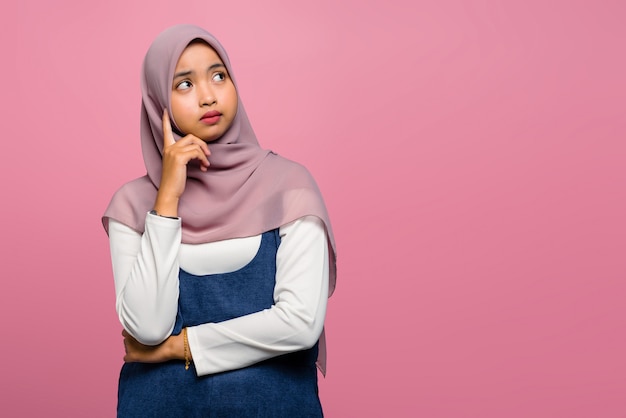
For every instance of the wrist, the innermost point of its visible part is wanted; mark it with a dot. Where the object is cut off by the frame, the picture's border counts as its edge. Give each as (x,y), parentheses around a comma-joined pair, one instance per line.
(166,206)
(154,212)
(176,343)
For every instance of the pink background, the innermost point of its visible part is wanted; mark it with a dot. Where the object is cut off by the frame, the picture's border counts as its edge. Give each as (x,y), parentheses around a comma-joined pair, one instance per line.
(472,155)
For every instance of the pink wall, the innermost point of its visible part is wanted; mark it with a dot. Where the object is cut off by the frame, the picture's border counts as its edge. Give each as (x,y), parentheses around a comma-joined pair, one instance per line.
(472,155)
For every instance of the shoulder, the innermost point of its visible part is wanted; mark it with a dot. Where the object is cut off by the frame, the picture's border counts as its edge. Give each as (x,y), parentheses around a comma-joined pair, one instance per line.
(307,225)
(130,203)
(288,168)
(139,184)
(285,162)
(140,191)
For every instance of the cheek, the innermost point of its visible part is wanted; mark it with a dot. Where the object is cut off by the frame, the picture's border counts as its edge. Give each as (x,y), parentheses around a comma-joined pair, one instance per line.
(180,110)
(233,98)
(175,107)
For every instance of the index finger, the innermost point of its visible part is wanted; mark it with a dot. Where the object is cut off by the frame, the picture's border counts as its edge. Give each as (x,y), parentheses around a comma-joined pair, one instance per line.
(168,137)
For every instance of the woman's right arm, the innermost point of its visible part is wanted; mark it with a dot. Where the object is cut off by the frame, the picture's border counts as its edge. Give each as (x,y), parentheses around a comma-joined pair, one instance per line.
(145,270)
(145,266)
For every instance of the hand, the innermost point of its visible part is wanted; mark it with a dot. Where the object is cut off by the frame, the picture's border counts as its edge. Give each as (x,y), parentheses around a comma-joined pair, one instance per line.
(176,156)
(170,349)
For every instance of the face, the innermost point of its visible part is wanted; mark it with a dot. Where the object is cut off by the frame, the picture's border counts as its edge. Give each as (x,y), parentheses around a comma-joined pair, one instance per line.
(204,99)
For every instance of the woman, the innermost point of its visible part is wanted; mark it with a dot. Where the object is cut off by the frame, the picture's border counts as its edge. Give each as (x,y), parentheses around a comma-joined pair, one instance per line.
(223,256)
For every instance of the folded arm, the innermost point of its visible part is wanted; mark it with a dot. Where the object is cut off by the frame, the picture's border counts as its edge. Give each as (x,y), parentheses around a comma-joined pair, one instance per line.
(293,323)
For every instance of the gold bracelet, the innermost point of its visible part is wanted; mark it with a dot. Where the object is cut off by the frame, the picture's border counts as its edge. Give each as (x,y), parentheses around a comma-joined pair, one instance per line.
(186,348)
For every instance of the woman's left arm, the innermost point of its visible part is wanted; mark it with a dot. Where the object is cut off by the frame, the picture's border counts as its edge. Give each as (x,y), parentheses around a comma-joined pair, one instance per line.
(293,323)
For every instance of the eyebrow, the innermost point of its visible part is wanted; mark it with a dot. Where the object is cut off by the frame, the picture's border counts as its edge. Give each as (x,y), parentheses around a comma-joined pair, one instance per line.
(189,72)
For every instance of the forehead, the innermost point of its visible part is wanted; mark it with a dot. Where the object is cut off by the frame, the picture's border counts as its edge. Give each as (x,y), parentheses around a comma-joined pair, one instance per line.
(197,54)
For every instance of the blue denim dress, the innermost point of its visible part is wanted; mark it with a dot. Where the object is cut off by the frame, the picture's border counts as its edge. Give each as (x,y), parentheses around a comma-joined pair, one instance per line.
(284,386)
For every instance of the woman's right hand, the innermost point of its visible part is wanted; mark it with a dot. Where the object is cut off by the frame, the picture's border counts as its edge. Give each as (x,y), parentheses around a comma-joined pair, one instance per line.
(176,156)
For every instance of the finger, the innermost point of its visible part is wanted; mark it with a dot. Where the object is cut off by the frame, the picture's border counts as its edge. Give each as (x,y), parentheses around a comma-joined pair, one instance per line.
(192,139)
(204,162)
(168,137)
(193,152)
(204,154)
(193,146)
(205,148)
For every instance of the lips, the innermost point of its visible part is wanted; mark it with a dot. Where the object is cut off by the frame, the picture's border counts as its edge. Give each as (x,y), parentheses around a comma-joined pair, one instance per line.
(211,114)
(211,117)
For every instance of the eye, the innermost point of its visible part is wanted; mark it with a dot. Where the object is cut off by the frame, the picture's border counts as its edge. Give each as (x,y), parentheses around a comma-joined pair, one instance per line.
(221,76)
(183,85)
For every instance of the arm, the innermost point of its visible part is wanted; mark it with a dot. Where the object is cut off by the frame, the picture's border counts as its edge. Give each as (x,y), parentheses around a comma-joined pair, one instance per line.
(293,323)
(145,269)
(145,266)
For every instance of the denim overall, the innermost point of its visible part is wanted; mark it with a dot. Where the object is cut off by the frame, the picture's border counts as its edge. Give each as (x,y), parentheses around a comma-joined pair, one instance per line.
(284,386)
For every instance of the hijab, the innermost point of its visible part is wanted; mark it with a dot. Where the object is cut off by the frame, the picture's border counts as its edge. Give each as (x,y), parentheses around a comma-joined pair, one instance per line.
(246,191)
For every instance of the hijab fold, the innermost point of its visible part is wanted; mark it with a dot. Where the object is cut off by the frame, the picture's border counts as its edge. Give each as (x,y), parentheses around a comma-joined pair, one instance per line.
(246,191)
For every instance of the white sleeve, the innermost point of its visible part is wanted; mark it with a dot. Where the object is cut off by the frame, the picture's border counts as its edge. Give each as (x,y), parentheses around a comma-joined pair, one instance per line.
(145,269)
(293,323)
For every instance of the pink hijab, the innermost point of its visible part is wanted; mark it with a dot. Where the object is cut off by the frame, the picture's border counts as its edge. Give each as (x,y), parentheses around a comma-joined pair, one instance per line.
(246,190)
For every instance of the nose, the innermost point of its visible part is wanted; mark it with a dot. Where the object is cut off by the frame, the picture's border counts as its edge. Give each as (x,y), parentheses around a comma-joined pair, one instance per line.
(206,94)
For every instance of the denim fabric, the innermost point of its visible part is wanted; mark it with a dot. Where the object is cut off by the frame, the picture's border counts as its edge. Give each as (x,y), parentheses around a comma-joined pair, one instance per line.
(285,386)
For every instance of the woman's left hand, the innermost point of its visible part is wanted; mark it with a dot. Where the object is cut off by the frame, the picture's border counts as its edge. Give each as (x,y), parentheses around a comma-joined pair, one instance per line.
(170,349)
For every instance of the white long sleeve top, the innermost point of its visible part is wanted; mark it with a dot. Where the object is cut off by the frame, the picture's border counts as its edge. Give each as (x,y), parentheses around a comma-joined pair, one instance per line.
(146,268)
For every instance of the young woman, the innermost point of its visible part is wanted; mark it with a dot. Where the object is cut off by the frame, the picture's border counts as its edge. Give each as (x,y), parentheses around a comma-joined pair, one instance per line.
(223,256)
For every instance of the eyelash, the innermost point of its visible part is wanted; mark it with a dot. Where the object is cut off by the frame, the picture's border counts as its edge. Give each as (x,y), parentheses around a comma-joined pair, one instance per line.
(183,82)
(221,74)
